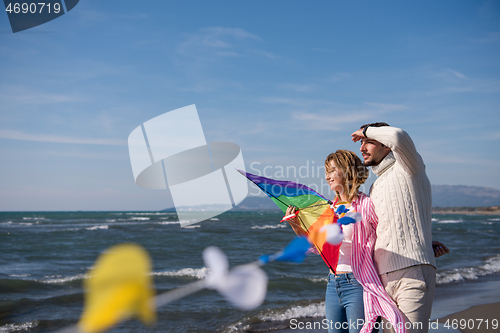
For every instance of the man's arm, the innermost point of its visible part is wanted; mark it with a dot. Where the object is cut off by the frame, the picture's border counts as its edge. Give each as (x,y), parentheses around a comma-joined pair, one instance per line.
(399,142)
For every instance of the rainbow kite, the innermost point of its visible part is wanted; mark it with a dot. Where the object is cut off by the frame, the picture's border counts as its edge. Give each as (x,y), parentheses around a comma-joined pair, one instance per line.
(313,212)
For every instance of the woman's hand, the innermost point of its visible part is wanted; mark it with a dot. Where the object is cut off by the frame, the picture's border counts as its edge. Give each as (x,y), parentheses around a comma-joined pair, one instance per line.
(293,221)
(289,211)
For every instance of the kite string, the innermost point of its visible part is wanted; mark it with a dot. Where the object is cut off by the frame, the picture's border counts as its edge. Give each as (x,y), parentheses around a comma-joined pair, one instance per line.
(329,202)
(321,204)
(263,189)
(321,252)
(305,228)
(180,292)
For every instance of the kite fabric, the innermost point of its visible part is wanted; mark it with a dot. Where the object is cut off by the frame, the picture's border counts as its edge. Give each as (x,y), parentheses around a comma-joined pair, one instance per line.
(314,211)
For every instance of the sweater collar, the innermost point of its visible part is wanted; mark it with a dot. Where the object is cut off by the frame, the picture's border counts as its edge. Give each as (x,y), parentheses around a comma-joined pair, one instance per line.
(385,164)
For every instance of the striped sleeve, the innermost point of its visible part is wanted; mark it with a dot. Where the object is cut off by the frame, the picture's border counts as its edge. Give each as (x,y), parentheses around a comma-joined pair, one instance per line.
(376,301)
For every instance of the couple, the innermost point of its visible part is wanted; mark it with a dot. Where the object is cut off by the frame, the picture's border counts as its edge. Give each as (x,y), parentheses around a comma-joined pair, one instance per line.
(386,266)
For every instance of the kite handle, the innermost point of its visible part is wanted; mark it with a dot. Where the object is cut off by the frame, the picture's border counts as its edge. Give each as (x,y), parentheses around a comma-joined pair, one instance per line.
(291,216)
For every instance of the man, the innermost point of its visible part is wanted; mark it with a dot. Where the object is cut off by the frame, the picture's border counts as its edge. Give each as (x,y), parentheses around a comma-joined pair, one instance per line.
(404,254)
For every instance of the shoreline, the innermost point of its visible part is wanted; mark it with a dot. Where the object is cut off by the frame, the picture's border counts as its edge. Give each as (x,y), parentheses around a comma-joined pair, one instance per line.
(467,305)
(477,318)
(462,211)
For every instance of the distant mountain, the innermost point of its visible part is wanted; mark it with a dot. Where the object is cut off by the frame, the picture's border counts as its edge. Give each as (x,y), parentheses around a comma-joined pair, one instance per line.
(464,196)
(256,203)
(249,203)
(442,196)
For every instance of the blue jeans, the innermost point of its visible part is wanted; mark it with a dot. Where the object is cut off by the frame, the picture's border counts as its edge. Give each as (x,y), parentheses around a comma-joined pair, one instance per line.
(344,304)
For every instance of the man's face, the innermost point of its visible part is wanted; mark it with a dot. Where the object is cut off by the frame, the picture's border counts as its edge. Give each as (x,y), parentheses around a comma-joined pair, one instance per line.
(373,151)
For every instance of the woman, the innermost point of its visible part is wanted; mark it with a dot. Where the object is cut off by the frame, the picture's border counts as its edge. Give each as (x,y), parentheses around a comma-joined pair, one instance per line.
(354,294)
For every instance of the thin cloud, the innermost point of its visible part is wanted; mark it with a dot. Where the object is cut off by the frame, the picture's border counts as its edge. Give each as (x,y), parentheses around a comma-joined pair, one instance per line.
(333,120)
(21,96)
(452,81)
(337,119)
(492,38)
(297,87)
(218,43)
(457,74)
(477,85)
(337,77)
(449,74)
(18,135)
(434,157)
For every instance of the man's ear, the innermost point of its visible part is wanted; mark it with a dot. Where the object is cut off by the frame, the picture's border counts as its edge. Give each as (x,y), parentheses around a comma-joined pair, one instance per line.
(387,150)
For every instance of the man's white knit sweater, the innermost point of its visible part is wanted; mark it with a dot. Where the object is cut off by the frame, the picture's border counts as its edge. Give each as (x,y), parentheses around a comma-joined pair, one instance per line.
(402,199)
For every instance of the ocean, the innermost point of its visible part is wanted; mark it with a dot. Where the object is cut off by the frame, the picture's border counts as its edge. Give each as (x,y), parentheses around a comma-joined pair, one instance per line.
(46,255)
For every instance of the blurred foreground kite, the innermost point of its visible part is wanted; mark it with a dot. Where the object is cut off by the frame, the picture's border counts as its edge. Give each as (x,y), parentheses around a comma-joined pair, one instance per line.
(315,213)
(120,285)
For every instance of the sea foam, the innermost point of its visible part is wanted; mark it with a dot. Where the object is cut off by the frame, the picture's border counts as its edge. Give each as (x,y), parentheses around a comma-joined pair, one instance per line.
(491,266)
(199,273)
(450,221)
(19,327)
(98,227)
(312,310)
(273,226)
(59,280)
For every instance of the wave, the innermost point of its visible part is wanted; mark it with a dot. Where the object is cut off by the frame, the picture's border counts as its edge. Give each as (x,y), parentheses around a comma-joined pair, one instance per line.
(491,266)
(19,327)
(274,226)
(450,221)
(19,223)
(495,219)
(192,226)
(135,218)
(199,273)
(318,279)
(21,285)
(151,213)
(61,280)
(98,227)
(275,318)
(307,311)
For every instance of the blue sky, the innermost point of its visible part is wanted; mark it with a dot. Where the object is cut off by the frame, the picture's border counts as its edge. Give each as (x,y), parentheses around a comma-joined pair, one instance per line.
(288,81)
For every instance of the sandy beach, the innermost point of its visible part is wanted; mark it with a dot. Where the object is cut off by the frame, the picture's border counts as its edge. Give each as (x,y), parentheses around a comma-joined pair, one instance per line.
(479,318)
(467,210)
(460,307)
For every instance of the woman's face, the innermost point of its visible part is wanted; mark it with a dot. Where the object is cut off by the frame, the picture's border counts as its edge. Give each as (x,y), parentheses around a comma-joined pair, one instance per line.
(335,177)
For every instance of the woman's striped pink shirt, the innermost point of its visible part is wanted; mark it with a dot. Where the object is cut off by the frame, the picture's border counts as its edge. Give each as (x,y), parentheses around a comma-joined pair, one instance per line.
(376,301)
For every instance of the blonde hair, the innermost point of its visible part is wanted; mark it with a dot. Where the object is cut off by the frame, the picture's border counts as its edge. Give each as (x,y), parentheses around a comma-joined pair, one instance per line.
(354,171)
